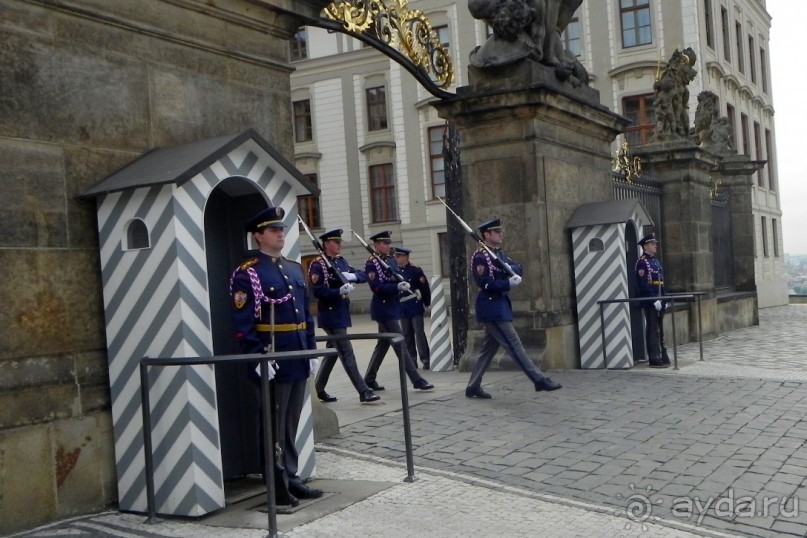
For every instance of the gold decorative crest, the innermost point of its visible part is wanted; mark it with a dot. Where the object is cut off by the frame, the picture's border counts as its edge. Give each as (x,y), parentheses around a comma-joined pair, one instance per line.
(395,25)
(239,299)
(623,163)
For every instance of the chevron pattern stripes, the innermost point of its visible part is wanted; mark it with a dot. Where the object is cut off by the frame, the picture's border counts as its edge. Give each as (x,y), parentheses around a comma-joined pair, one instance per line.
(156,304)
(601,274)
(442,358)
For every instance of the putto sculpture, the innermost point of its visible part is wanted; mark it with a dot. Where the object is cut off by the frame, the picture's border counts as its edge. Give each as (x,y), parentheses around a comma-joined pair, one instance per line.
(671,95)
(527,30)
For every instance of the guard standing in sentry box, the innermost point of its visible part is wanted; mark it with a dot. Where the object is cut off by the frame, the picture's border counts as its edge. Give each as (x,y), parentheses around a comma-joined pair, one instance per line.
(495,275)
(414,307)
(270,311)
(386,282)
(650,284)
(332,279)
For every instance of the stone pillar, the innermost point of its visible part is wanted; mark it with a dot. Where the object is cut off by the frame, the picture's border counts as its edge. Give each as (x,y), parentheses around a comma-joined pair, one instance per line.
(736,173)
(533,150)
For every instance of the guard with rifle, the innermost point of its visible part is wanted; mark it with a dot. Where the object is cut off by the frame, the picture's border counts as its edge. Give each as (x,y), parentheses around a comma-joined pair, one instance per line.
(414,307)
(495,275)
(387,284)
(270,313)
(332,280)
(650,284)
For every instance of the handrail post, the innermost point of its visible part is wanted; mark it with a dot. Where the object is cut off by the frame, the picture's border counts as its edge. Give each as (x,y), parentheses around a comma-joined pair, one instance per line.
(602,337)
(151,502)
(268,449)
(410,463)
(675,347)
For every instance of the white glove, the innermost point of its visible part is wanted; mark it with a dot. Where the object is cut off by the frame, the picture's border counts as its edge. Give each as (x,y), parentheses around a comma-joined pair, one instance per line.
(272,367)
(515,280)
(346,288)
(657,305)
(313,365)
(350,277)
(403,286)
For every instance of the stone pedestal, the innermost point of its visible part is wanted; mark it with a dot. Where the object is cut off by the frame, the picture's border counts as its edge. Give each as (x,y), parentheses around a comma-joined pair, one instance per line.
(533,150)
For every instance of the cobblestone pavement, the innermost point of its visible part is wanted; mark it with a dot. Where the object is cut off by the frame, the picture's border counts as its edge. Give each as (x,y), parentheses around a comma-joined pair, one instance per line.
(716,448)
(718,444)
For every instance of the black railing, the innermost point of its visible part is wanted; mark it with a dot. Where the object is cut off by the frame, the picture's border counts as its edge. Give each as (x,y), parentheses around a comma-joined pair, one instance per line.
(672,298)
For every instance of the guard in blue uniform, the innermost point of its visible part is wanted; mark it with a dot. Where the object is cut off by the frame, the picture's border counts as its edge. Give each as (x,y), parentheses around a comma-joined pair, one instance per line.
(414,306)
(650,283)
(333,313)
(495,312)
(385,309)
(270,311)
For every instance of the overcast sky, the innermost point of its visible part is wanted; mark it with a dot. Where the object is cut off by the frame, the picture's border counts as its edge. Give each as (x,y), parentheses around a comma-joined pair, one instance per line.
(787,75)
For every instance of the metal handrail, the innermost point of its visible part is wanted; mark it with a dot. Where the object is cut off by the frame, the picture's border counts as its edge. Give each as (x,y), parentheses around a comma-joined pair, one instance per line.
(269,468)
(395,339)
(672,298)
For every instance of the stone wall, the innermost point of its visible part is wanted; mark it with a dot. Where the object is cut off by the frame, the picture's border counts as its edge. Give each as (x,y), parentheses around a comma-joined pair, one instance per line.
(88,86)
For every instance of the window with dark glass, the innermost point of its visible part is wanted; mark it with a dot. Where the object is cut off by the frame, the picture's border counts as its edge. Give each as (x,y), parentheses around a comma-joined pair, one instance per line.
(744,128)
(436,162)
(442,34)
(709,22)
(445,263)
(732,124)
(763,70)
(752,65)
(738,29)
(758,152)
(302,120)
(308,205)
(775,234)
(298,45)
(764,236)
(376,108)
(639,110)
(635,17)
(770,166)
(724,27)
(383,206)
(571,37)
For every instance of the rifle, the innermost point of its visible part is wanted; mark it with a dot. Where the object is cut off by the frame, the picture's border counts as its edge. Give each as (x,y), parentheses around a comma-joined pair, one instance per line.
(384,265)
(318,246)
(479,240)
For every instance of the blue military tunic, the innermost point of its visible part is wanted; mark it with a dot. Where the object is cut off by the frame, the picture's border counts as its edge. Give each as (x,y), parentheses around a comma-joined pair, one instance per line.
(333,309)
(413,304)
(257,285)
(649,277)
(493,298)
(385,304)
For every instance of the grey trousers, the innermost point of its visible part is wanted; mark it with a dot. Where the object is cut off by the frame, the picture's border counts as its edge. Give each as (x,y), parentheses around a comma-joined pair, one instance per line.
(391,326)
(502,333)
(415,336)
(348,358)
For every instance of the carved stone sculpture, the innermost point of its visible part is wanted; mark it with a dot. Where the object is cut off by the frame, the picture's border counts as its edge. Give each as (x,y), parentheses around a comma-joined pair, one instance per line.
(527,30)
(671,95)
(711,130)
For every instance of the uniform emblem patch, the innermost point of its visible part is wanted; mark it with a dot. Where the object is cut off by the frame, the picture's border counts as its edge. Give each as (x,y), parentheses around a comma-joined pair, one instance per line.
(371,276)
(480,270)
(314,278)
(423,279)
(641,273)
(240,299)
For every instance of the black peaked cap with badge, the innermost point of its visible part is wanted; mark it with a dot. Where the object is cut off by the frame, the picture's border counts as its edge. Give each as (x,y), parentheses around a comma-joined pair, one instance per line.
(495,224)
(382,236)
(649,238)
(332,235)
(271,217)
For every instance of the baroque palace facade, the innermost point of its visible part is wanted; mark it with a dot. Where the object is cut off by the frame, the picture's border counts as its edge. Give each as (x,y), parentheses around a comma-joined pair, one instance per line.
(366,134)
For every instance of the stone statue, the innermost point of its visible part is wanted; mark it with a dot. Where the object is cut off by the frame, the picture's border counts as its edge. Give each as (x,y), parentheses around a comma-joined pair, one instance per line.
(710,130)
(671,95)
(527,30)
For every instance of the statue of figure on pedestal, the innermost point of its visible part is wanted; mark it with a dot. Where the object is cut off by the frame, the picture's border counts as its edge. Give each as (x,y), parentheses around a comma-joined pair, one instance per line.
(671,97)
(710,130)
(527,30)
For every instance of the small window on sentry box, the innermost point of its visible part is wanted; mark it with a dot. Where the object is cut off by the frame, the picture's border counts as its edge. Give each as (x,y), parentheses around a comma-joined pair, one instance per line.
(137,235)
(595,245)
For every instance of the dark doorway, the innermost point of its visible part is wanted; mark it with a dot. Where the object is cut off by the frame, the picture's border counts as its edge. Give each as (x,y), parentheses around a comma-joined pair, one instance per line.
(636,315)
(231,204)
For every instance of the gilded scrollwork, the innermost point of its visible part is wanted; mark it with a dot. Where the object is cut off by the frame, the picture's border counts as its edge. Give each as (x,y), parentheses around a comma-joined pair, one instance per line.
(395,25)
